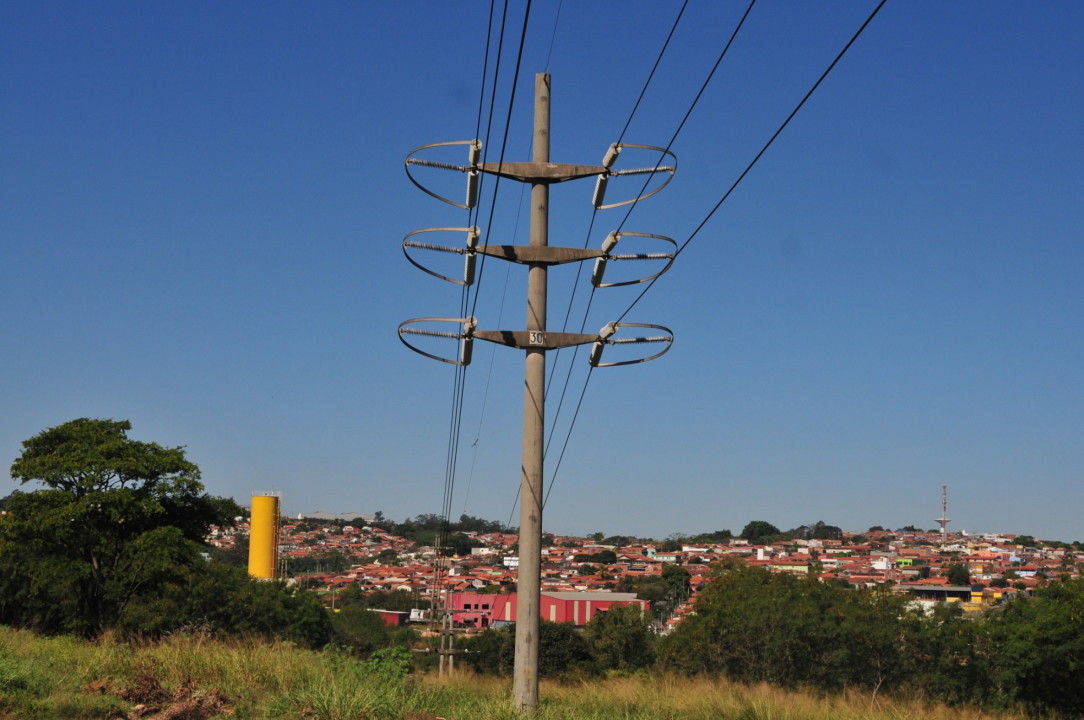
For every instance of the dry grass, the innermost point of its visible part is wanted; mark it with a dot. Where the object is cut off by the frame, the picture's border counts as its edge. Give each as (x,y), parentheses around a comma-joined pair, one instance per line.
(643,697)
(194,676)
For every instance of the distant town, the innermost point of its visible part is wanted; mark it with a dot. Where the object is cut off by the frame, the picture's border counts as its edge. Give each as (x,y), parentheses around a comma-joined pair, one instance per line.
(364,554)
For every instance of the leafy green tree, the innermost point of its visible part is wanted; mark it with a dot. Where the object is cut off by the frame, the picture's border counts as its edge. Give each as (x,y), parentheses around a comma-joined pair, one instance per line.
(821,531)
(491,651)
(713,537)
(677,581)
(621,638)
(957,574)
(115,520)
(619,541)
(757,626)
(1039,650)
(948,656)
(603,557)
(560,649)
(361,629)
(758,530)
(224,600)
(671,545)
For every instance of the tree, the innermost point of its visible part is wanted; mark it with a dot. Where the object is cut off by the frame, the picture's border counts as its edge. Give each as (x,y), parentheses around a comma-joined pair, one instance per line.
(560,649)
(957,574)
(116,520)
(677,581)
(758,530)
(1039,643)
(713,537)
(361,629)
(621,638)
(757,626)
(670,545)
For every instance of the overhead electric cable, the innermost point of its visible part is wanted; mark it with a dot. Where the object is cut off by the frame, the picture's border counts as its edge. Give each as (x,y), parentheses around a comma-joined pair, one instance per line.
(651,74)
(504,145)
(763,150)
(594,214)
(727,194)
(673,138)
(459,383)
(692,106)
(553,37)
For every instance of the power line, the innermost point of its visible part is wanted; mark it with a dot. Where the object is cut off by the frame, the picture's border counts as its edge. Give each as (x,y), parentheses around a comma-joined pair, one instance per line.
(726,195)
(590,228)
(553,37)
(673,138)
(692,106)
(651,74)
(504,145)
(764,149)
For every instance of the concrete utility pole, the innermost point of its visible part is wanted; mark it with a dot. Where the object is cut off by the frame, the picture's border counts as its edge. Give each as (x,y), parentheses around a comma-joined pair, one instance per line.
(535,340)
(529,582)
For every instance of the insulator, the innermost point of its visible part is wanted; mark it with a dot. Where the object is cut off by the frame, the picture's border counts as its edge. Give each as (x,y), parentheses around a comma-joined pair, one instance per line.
(596,349)
(596,353)
(430,246)
(468,269)
(611,241)
(597,273)
(467,352)
(475,152)
(600,191)
(611,156)
(472,188)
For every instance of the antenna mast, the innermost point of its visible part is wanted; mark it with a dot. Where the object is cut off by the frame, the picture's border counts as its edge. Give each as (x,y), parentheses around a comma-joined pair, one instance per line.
(944,520)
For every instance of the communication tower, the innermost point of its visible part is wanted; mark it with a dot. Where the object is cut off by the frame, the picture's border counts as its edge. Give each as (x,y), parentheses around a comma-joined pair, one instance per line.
(944,519)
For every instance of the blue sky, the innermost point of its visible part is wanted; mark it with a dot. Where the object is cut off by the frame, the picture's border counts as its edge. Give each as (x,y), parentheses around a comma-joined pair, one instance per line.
(202,207)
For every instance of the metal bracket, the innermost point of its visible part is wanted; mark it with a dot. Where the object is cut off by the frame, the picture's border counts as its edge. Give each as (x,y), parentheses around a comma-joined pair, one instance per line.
(605,338)
(532,339)
(469,251)
(535,339)
(471,169)
(465,337)
(611,242)
(607,173)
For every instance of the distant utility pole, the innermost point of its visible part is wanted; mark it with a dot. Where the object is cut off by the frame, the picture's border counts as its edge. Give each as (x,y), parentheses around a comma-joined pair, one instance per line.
(536,339)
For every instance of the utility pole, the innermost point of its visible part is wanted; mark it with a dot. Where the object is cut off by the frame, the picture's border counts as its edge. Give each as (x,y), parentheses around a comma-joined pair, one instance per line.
(536,339)
(529,580)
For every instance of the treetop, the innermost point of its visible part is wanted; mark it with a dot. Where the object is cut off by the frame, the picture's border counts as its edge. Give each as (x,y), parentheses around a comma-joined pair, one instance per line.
(90,455)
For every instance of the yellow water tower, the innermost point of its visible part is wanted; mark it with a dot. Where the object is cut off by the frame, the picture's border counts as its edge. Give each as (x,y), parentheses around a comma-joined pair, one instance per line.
(263,540)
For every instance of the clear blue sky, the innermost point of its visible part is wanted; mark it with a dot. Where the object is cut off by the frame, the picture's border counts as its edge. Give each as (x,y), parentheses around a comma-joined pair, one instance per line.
(202,206)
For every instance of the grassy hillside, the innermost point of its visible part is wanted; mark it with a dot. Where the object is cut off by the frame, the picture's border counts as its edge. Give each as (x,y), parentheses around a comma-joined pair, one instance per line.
(192,677)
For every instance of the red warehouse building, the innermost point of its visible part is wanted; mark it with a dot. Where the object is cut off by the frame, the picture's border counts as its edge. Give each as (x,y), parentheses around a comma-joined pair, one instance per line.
(482,610)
